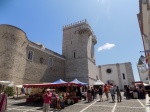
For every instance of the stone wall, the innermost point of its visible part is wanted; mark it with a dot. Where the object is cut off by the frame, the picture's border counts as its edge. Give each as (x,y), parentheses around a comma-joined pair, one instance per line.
(129,72)
(76,69)
(39,71)
(13,42)
(93,72)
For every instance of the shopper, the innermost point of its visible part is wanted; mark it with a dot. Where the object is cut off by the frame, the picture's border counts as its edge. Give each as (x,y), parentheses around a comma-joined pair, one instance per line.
(119,98)
(100,93)
(47,100)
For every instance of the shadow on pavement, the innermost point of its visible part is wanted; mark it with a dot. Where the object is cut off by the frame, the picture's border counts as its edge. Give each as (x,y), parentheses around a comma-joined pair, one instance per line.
(40,104)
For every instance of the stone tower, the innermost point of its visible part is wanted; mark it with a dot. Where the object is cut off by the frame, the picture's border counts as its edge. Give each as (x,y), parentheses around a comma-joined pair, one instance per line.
(13,43)
(78,49)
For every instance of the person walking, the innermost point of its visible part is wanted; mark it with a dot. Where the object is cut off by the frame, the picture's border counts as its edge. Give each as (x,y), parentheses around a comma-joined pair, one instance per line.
(127,92)
(89,96)
(119,98)
(112,92)
(100,93)
(92,93)
(47,96)
(106,91)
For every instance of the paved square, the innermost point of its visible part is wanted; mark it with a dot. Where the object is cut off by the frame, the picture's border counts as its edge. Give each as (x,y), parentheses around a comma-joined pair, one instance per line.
(132,105)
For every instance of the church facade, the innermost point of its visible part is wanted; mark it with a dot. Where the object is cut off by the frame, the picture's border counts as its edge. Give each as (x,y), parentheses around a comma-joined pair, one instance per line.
(119,74)
(23,61)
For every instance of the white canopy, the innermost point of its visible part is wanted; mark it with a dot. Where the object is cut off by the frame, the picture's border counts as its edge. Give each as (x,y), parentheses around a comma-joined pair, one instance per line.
(18,86)
(99,82)
(146,84)
(7,83)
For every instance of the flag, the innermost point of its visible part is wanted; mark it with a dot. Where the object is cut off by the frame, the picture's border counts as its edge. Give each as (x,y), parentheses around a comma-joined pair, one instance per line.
(147,57)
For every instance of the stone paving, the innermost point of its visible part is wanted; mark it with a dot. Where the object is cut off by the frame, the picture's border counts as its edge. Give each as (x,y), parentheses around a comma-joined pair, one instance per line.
(132,105)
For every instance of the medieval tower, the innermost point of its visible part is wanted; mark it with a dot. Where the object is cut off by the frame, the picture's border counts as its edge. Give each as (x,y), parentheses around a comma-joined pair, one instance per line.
(78,50)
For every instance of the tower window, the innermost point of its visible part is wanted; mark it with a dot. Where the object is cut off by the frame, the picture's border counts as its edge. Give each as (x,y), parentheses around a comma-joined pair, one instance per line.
(96,77)
(74,54)
(123,75)
(50,62)
(71,41)
(30,55)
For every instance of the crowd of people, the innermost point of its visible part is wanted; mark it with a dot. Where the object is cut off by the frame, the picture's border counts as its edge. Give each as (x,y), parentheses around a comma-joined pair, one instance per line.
(135,92)
(91,93)
(129,92)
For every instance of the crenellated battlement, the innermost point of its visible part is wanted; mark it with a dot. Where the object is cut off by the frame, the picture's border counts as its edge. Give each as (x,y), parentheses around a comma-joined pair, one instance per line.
(75,24)
(82,23)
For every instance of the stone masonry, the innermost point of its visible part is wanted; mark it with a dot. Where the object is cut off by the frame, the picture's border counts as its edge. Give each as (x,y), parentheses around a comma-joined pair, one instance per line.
(78,49)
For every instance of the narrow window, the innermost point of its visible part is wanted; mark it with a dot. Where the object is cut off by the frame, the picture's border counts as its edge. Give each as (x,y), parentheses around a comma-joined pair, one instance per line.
(74,54)
(96,77)
(41,60)
(30,55)
(71,41)
(123,76)
(50,62)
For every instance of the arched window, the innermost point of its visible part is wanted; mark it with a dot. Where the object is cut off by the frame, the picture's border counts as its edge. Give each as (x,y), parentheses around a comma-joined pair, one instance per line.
(30,55)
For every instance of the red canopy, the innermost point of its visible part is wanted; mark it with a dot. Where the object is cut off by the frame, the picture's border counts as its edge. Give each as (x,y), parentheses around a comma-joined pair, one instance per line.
(46,85)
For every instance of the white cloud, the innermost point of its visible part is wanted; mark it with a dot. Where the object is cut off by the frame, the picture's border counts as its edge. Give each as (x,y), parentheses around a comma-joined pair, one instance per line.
(107,46)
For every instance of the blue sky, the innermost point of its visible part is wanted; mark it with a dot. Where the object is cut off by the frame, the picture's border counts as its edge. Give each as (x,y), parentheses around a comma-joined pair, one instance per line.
(114,23)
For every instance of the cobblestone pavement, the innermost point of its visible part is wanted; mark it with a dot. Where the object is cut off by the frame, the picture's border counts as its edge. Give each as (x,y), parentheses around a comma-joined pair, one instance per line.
(132,105)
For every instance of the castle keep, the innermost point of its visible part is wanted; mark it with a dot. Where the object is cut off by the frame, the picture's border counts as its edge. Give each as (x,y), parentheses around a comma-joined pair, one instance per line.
(23,61)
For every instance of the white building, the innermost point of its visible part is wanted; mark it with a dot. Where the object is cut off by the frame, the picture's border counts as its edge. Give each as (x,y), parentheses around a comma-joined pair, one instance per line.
(119,74)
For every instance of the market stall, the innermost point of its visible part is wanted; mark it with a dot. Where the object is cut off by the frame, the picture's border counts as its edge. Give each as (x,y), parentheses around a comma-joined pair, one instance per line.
(98,83)
(76,81)
(4,84)
(66,91)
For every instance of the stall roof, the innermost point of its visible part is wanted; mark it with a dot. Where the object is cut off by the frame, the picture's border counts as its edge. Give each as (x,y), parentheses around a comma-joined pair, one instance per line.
(99,82)
(146,84)
(76,81)
(7,83)
(59,81)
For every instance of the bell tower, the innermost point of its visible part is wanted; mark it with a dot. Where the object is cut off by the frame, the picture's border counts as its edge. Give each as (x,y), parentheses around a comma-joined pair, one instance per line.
(78,49)
(143,72)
